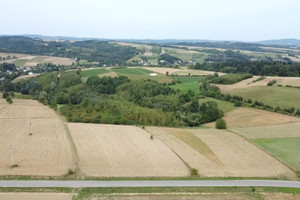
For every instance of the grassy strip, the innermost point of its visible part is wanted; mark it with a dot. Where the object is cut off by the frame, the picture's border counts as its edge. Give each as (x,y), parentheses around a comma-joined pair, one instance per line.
(87,192)
(31,190)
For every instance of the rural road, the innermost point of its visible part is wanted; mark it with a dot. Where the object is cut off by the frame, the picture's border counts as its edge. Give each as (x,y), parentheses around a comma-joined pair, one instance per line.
(212,183)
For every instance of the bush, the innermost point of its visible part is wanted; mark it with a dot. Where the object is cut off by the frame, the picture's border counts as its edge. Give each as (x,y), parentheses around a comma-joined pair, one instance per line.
(5,95)
(194,172)
(221,124)
(8,99)
(272,82)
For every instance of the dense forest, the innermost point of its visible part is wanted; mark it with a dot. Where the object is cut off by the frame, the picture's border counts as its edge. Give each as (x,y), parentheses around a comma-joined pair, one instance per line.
(91,50)
(117,100)
(261,68)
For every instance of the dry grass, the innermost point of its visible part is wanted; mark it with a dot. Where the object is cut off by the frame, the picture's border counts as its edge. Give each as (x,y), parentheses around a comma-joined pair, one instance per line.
(24,77)
(123,151)
(159,196)
(239,157)
(290,130)
(281,196)
(110,74)
(35,196)
(184,71)
(42,150)
(249,117)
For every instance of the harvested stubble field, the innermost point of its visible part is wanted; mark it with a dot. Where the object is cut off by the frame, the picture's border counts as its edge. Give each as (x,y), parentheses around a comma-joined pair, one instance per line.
(217,153)
(293,81)
(24,77)
(39,140)
(250,117)
(179,71)
(288,130)
(35,196)
(123,151)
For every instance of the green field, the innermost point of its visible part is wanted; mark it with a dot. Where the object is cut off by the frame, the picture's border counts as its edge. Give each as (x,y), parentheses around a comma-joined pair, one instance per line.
(274,96)
(223,105)
(188,83)
(135,73)
(286,149)
(92,72)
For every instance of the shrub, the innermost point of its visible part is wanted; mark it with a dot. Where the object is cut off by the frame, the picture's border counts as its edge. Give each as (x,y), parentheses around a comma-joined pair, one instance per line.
(272,82)
(221,124)
(5,95)
(194,172)
(8,99)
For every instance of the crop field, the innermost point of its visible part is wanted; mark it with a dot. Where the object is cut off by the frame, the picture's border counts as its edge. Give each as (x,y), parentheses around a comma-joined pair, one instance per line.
(223,105)
(286,149)
(250,117)
(217,153)
(24,77)
(30,60)
(273,96)
(35,196)
(288,130)
(123,151)
(93,72)
(38,138)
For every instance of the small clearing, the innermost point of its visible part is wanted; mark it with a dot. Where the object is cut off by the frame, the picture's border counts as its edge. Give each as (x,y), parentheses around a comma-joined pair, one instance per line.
(24,77)
(218,153)
(251,117)
(123,151)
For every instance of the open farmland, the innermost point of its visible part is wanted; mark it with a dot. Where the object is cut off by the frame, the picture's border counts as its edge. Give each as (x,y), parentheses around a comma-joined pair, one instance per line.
(24,77)
(292,81)
(217,153)
(273,96)
(250,117)
(181,71)
(38,137)
(35,196)
(123,151)
(33,60)
(288,130)
(286,149)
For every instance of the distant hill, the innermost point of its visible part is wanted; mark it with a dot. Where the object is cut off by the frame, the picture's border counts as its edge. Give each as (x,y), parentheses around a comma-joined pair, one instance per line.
(289,42)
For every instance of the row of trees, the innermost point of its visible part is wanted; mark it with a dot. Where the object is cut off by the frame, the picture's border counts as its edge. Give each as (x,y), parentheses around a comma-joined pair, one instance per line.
(262,68)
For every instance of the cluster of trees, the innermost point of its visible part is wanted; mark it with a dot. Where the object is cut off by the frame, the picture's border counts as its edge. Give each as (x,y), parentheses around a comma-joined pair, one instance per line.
(261,68)
(229,78)
(91,50)
(118,100)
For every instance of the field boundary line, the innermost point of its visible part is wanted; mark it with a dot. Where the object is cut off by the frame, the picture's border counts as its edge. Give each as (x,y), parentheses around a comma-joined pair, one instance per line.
(72,146)
(185,163)
(294,171)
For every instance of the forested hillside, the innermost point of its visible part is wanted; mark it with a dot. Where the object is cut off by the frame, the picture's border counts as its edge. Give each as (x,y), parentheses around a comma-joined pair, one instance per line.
(91,50)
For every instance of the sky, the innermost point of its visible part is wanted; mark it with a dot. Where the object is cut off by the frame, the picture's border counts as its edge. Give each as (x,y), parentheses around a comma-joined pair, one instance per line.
(242,20)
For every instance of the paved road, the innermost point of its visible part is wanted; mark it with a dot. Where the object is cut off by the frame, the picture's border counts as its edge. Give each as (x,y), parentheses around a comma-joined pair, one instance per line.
(214,183)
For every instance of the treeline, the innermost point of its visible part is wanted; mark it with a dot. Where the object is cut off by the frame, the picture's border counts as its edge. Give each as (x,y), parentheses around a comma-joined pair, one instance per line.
(228,78)
(91,50)
(261,68)
(117,100)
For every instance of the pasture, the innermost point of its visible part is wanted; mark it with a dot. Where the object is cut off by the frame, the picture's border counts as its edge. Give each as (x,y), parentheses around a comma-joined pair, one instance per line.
(123,151)
(217,153)
(274,96)
(38,138)
(286,149)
